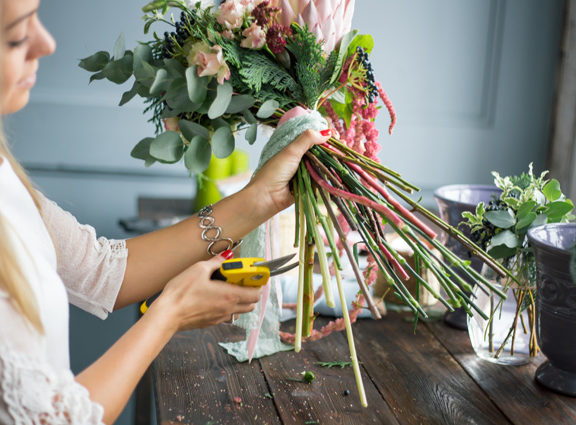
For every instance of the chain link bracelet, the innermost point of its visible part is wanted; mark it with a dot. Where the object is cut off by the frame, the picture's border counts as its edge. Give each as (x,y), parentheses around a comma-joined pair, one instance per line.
(212,233)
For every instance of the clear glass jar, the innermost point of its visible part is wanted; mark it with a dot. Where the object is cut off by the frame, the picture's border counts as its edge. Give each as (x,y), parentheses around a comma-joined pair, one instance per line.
(507,337)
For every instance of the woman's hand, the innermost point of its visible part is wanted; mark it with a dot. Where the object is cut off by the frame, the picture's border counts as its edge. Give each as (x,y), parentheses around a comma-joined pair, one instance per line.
(271,182)
(192,300)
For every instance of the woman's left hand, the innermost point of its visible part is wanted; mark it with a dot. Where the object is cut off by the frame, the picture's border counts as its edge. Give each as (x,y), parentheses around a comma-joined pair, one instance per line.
(271,182)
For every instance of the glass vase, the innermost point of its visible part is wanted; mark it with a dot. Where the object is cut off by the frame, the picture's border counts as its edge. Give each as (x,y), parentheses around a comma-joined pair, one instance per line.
(506,334)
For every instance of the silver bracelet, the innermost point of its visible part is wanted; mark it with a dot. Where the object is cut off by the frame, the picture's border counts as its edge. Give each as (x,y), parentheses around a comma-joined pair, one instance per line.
(212,233)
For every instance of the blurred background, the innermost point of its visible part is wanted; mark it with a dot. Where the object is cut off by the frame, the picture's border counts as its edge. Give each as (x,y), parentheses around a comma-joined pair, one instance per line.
(477,86)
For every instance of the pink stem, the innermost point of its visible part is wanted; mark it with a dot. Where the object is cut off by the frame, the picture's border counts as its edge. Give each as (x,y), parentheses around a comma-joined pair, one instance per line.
(387,212)
(399,207)
(394,262)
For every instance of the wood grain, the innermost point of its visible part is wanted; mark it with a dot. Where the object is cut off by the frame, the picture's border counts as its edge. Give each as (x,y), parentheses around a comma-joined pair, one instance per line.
(197,382)
(512,388)
(419,379)
(323,401)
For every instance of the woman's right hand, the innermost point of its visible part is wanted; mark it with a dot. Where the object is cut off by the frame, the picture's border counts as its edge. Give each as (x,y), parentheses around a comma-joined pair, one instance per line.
(192,300)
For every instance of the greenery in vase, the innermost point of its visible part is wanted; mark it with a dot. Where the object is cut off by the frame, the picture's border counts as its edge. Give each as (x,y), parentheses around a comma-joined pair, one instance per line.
(501,226)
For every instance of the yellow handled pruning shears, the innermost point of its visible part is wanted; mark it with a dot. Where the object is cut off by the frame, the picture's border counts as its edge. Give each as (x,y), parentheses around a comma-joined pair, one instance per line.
(244,272)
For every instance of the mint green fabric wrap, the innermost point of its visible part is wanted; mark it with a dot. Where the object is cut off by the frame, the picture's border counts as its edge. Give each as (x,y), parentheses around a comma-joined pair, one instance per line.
(254,246)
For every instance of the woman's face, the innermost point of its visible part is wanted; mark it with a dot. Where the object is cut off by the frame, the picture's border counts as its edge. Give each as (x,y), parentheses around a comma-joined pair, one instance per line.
(25,41)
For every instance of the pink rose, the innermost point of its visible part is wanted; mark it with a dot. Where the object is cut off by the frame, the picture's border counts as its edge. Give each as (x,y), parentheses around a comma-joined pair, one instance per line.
(228,34)
(255,37)
(209,60)
(231,14)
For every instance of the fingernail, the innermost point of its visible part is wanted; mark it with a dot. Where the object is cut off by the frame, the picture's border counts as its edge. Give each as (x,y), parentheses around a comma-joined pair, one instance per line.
(325,132)
(227,254)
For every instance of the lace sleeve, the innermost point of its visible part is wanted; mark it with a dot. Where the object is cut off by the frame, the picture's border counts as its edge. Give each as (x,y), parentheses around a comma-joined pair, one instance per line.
(31,390)
(91,268)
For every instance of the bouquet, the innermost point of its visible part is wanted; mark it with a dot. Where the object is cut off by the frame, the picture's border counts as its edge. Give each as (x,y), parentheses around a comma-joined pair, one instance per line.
(290,64)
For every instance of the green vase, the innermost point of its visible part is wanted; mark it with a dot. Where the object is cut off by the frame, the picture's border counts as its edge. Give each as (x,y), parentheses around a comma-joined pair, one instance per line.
(207,192)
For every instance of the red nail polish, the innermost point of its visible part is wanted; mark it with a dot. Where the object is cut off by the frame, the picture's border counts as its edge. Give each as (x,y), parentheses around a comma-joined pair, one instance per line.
(325,132)
(227,254)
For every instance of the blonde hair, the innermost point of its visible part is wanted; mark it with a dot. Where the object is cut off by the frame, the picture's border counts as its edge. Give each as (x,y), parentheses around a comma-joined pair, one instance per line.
(12,278)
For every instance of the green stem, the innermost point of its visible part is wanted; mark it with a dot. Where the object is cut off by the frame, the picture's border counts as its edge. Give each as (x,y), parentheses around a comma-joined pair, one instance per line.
(350,337)
(301,269)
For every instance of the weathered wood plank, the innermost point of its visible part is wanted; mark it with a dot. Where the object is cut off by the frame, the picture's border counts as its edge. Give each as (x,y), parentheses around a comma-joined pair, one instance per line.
(197,382)
(324,400)
(422,383)
(512,388)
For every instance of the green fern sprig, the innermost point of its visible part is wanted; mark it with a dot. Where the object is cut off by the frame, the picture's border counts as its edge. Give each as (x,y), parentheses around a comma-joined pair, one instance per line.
(257,70)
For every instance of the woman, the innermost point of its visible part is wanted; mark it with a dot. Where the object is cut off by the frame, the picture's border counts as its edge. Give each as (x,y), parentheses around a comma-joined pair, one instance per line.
(47,258)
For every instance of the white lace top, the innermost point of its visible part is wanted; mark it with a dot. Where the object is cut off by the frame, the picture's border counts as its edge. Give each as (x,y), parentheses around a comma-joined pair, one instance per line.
(36,384)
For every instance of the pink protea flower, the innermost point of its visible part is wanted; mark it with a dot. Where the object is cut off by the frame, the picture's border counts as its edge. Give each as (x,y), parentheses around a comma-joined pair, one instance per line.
(330,20)
(255,37)
(209,60)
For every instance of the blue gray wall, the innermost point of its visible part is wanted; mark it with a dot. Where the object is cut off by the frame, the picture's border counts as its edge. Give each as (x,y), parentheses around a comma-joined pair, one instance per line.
(472,83)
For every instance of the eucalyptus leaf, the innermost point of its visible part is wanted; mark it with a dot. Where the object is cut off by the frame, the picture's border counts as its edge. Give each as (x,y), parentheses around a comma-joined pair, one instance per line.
(119,47)
(143,53)
(219,122)
(552,190)
(197,156)
(142,149)
(223,98)
(240,103)
(98,76)
(174,68)
(191,129)
(177,97)
(210,96)
(167,147)
(197,86)
(119,71)
(96,62)
(127,96)
(249,117)
(223,142)
(142,90)
(161,82)
(267,109)
(252,133)
(168,112)
(144,72)
(503,219)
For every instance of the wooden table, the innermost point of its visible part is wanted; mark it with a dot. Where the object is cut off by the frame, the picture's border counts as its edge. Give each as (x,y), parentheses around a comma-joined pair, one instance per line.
(427,377)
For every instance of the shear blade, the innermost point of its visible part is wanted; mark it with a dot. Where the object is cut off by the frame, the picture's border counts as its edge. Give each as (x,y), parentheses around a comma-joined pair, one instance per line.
(274,265)
(283,269)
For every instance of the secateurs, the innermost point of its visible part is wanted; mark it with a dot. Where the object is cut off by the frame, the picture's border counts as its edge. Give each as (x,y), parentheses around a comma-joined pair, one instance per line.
(252,271)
